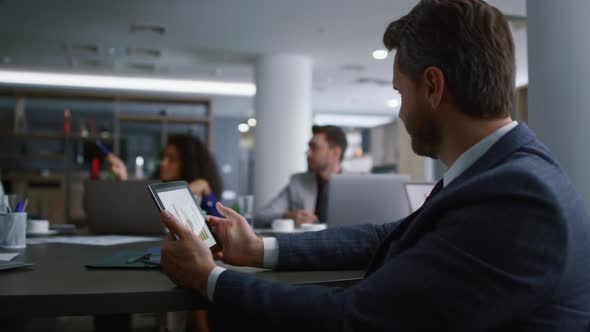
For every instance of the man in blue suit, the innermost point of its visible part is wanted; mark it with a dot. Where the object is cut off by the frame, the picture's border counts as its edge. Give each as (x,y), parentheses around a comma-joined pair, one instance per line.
(502,243)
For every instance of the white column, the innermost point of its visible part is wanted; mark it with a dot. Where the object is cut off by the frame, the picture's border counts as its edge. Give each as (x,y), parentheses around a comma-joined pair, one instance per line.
(559,77)
(283,114)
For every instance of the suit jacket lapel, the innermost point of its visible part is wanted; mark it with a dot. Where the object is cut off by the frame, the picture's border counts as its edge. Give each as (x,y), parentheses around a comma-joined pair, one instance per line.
(398,232)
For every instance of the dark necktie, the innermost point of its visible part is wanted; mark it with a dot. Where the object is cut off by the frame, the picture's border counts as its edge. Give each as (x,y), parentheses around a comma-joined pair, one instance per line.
(437,188)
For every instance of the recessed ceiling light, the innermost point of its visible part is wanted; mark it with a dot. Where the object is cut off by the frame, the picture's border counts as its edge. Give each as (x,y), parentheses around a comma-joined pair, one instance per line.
(393,103)
(243,128)
(380,54)
(252,122)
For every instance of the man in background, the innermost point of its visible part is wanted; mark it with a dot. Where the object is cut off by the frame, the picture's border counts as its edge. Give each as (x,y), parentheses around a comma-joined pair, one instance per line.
(304,198)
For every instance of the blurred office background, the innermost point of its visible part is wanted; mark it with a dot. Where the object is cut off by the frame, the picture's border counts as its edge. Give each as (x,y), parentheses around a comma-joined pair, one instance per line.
(292,64)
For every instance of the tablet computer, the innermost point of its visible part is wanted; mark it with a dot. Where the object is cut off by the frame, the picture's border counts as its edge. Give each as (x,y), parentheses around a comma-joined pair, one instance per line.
(177,198)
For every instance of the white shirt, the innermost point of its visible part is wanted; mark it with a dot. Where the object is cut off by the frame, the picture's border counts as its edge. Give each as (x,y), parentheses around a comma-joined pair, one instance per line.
(468,158)
(270,261)
(475,152)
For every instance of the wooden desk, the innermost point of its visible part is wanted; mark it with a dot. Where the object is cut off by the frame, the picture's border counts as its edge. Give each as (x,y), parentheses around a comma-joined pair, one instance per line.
(60,285)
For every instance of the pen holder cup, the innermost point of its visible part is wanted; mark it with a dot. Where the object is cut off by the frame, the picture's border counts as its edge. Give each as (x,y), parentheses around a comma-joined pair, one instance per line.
(13,230)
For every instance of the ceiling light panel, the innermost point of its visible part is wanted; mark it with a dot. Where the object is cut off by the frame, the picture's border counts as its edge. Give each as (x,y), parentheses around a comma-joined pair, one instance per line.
(126,83)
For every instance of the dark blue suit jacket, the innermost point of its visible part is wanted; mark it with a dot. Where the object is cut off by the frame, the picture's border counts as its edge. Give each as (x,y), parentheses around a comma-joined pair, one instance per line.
(504,247)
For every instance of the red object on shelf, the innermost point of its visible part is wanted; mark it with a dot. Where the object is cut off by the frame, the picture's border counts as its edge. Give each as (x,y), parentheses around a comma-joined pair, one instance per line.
(67,126)
(94,168)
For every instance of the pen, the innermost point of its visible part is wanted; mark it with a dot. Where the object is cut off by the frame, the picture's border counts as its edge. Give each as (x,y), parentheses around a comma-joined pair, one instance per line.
(102,148)
(25,205)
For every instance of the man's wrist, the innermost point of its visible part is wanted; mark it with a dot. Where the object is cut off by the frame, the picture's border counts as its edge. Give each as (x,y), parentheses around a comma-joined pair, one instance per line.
(200,285)
(257,253)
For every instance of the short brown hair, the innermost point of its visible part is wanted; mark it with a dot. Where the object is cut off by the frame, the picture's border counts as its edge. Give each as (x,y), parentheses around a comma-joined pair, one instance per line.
(470,41)
(335,136)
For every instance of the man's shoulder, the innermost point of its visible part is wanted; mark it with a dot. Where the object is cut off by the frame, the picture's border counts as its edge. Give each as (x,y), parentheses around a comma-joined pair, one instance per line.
(528,177)
(303,176)
(302,182)
(531,163)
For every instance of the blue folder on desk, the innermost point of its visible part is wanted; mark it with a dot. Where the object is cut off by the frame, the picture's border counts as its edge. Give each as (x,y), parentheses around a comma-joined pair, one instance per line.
(129,259)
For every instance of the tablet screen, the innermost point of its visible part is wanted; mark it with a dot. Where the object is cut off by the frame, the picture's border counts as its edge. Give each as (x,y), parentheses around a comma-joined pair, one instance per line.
(180,202)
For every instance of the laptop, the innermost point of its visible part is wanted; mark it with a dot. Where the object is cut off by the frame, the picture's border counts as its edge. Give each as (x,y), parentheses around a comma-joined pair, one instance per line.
(417,192)
(366,198)
(121,207)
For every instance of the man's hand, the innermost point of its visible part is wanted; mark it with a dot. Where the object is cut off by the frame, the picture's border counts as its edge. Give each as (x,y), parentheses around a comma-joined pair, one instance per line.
(301,217)
(187,261)
(117,166)
(240,246)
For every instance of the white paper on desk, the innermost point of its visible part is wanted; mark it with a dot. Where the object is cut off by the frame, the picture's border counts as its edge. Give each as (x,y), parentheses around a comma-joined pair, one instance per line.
(8,256)
(103,240)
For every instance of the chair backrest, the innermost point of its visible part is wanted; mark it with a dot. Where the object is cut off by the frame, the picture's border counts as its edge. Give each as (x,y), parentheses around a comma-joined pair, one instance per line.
(115,207)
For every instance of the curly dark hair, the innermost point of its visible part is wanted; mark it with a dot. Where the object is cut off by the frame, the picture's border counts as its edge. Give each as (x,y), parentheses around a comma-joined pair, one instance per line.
(196,161)
(470,41)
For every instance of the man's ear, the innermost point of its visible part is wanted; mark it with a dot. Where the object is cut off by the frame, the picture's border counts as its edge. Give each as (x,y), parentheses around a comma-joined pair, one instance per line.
(434,86)
(336,152)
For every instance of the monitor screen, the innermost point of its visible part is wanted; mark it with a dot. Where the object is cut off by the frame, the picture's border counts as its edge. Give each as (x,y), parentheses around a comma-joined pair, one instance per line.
(417,194)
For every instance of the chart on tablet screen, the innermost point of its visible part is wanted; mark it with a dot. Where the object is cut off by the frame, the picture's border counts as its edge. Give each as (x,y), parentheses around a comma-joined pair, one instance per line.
(181,204)
(190,219)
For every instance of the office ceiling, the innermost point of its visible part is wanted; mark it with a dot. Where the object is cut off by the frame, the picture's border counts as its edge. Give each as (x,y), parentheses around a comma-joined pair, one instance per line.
(219,40)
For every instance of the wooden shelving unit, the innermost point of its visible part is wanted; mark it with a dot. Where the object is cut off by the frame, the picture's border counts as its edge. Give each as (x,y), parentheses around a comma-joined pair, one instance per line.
(120,116)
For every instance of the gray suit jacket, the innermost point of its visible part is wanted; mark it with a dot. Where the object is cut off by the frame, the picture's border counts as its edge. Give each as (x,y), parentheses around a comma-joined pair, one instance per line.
(299,194)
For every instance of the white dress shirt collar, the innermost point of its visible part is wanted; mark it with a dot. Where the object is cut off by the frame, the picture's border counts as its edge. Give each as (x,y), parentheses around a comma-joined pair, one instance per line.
(475,152)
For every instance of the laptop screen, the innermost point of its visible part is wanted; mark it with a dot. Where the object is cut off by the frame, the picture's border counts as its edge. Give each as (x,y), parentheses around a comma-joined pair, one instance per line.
(366,199)
(417,193)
